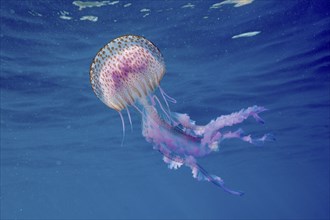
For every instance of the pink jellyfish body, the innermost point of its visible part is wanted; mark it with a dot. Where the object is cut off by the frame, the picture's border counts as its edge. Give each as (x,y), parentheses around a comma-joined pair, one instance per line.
(126,72)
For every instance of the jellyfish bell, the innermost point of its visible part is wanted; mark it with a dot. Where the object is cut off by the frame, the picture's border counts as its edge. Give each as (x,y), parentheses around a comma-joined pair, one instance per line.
(127,71)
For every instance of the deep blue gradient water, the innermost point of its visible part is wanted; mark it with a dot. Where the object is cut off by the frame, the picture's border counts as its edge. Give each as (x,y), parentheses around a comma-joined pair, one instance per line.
(61,156)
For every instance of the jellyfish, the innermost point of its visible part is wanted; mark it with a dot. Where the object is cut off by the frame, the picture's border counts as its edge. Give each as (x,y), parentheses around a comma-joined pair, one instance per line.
(126,72)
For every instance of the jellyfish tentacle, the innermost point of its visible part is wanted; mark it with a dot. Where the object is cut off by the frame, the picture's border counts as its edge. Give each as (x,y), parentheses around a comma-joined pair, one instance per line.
(247,138)
(237,117)
(201,174)
(263,139)
(165,100)
(137,109)
(129,118)
(154,97)
(184,120)
(123,125)
(174,162)
(169,98)
(211,128)
(219,182)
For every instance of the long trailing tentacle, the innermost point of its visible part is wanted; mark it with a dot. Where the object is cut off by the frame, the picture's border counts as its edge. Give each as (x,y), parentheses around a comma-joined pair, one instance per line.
(169,98)
(201,174)
(210,130)
(137,109)
(217,181)
(164,98)
(154,97)
(123,125)
(129,118)
(247,138)
(238,117)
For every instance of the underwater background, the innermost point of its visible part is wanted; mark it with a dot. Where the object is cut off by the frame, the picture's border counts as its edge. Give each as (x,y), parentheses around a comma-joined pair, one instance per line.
(61,153)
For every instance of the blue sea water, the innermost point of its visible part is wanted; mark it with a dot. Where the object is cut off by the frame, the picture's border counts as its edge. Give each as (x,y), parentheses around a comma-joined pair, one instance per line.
(61,153)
